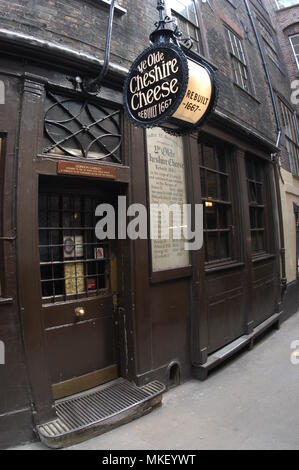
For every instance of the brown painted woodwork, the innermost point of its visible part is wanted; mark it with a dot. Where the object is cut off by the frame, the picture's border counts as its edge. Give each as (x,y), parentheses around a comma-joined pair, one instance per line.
(84,382)
(175,317)
(79,349)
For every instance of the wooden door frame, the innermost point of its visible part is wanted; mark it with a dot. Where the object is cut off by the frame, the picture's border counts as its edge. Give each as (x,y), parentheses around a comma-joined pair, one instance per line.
(32,164)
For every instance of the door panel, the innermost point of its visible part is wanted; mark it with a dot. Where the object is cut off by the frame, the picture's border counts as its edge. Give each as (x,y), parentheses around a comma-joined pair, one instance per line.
(81,348)
(77,298)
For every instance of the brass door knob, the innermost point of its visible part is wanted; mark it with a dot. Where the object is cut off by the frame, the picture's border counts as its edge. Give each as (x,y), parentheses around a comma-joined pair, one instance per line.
(80,312)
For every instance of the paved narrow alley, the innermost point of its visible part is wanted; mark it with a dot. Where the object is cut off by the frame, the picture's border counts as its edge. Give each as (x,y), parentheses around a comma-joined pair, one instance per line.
(250,403)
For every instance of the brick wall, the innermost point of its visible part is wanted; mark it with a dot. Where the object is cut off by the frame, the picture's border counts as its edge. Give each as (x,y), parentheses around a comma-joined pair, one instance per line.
(81,25)
(286,23)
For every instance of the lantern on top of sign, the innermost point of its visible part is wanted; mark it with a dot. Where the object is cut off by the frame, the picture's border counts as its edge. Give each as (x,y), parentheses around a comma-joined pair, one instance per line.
(169,86)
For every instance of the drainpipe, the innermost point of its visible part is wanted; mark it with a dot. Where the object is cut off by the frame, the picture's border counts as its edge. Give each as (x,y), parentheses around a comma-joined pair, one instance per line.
(273,156)
(93,86)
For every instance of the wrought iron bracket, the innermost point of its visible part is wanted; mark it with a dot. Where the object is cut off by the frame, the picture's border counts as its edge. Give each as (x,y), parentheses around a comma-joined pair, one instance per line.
(93,86)
(167,29)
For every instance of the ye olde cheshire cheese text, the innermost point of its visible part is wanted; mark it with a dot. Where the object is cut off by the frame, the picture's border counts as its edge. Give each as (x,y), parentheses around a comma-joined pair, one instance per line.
(154,72)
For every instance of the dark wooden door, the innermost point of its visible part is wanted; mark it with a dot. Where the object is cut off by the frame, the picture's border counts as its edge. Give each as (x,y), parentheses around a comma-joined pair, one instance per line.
(77,297)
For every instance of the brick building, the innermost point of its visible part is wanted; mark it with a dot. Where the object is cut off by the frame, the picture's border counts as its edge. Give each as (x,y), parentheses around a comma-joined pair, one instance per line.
(76,313)
(285,19)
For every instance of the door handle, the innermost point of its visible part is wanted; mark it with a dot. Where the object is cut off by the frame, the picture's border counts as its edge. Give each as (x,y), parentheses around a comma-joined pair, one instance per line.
(80,312)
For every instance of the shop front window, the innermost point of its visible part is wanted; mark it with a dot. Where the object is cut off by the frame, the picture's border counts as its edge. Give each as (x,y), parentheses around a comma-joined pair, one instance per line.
(257,207)
(216,199)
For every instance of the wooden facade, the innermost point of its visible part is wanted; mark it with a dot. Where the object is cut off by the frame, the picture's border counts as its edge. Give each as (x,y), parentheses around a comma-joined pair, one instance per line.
(164,325)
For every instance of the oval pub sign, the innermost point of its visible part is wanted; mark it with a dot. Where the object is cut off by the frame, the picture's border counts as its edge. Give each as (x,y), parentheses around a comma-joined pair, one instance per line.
(165,88)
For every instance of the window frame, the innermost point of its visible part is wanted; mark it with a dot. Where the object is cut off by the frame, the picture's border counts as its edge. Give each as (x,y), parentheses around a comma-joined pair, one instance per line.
(233,243)
(289,121)
(281,7)
(178,15)
(238,59)
(258,206)
(296,57)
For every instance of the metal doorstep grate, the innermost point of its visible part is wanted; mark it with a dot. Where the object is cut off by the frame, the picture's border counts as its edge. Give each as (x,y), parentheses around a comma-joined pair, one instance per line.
(94,412)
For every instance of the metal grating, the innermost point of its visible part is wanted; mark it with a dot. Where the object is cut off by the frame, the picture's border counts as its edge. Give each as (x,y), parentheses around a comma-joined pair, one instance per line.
(88,410)
(73,262)
(82,129)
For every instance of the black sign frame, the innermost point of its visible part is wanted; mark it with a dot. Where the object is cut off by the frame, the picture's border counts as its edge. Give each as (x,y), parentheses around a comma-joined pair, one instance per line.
(158,122)
(177,127)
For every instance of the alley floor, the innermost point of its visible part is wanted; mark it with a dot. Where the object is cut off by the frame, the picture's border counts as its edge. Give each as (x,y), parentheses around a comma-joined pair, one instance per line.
(250,403)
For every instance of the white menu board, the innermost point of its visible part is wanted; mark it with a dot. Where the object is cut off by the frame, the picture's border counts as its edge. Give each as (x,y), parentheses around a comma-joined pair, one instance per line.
(166,174)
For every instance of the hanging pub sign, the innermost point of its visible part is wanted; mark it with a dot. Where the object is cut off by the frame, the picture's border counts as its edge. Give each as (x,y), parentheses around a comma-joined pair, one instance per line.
(165,88)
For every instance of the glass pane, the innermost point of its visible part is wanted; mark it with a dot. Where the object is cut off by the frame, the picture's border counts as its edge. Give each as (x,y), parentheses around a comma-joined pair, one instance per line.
(258,172)
(221,162)
(80,262)
(224,246)
(260,241)
(180,6)
(252,217)
(254,241)
(211,246)
(203,183)
(222,217)
(260,218)
(200,155)
(223,188)
(211,217)
(259,189)
(192,13)
(249,168)
(53,218)
(209,157)
(252,192)
(212,184)
(66,203)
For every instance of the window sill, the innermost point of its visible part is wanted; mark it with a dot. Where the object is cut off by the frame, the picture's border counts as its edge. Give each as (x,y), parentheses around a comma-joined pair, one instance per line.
(171,275)
(263,257)
(224,267)
(247,93)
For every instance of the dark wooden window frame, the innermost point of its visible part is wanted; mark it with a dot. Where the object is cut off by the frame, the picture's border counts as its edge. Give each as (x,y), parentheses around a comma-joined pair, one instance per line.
(234,243)
(261,225)
(290,124)
(238,59)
